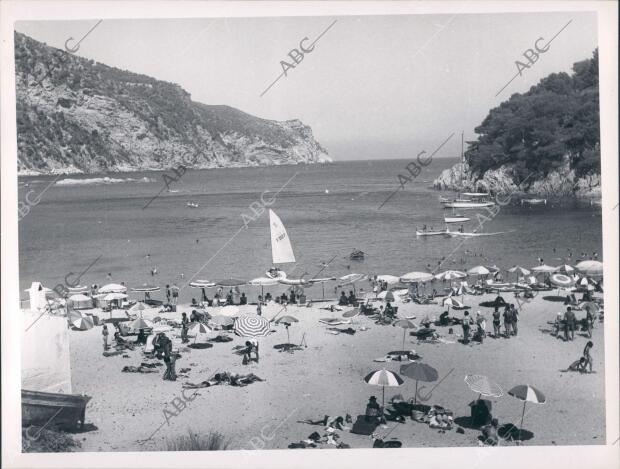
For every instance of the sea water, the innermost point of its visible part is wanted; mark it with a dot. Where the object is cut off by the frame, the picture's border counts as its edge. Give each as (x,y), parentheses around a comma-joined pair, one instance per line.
(328,211)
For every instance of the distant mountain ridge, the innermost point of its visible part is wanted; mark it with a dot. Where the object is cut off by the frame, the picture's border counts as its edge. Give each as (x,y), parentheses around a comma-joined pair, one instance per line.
(75,115)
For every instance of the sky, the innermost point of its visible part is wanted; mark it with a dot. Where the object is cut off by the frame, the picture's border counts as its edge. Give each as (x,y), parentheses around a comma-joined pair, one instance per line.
(373,86)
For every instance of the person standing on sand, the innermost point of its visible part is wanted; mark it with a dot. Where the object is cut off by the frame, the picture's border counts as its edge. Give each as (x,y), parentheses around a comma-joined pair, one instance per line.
(507,320)
(168,293)
(184,327)
(514,317)
(466,323)
(496,323)
(105,335)
(569,326)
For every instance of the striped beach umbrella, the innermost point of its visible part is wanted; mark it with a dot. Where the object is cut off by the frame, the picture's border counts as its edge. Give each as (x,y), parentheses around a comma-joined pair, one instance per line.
(483,386)
(199,328)
(251,326)
(383,378)
(527,393)
(141,324)
(83,323)
(562,281)
(450,275)
(201,284)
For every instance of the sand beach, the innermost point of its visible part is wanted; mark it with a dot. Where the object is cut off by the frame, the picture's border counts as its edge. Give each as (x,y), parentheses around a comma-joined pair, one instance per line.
(326,378)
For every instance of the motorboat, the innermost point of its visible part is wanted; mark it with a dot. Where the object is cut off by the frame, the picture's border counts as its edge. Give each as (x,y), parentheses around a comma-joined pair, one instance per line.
(192,204)
(456,219)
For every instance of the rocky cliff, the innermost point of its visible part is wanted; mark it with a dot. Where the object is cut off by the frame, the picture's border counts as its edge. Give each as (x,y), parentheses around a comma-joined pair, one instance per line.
(78,116)
(560,182)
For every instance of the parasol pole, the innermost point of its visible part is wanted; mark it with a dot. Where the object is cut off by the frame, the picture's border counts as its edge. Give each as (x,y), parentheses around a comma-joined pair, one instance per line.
(288,338)
(522,415)
(415,397)
(404,331)
(383,402)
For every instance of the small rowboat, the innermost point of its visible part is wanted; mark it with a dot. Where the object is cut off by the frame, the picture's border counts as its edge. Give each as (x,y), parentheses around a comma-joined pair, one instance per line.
(53,409)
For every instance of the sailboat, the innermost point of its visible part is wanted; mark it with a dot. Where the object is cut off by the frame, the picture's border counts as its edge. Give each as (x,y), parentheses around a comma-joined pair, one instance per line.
(281,249)
(467,200)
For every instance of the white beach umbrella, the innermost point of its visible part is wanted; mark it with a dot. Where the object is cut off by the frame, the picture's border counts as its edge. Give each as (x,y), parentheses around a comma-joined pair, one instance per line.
(389,279)
(519,270)
(594,268)
(479,270)
(114,296)
(546,269)
(113,288)
(416,277)
(202,284)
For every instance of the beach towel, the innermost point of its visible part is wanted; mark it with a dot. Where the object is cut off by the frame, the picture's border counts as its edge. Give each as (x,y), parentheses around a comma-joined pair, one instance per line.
(333,321)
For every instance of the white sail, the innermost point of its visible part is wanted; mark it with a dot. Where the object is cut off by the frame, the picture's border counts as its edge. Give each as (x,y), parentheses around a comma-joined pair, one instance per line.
(281,249)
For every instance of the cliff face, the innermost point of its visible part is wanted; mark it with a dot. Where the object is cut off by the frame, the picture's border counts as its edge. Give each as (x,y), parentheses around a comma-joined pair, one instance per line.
(560,182)
(78,116)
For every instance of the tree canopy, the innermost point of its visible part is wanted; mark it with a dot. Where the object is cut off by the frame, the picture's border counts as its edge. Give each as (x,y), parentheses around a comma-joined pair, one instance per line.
(554,123)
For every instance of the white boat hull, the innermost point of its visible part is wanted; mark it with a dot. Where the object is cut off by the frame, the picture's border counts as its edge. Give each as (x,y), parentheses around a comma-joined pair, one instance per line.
(432,233)
(456,219)
(468,204)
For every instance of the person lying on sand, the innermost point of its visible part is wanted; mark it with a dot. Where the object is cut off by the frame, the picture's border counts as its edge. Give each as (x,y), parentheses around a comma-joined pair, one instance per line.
(337,423)
(232,379)
(121,344)
(490,435)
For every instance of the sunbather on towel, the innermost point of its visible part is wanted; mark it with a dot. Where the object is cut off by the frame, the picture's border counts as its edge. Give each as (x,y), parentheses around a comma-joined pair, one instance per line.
(337,423)
(138,369)
(232,379)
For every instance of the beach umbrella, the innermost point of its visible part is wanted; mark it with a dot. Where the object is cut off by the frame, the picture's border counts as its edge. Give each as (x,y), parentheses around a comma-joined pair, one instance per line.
(479,270)
(287,321)
(230,282)
(450,301)
(483,386)
(389,279)
(231,311)
(83,323)
(591,306)
(114,296)
(525,393)
(141,324)
(113,288)
(567,269)
(419,372)
(386,296)
(222,321)
(263,282)
(517,269)
(546,269)
(450,275)
(202,284)
(146,289)
(562,281)
(139,306)
(383,378)
(416,277)
(590,267)
(405,324)
(199,328)
(251,326)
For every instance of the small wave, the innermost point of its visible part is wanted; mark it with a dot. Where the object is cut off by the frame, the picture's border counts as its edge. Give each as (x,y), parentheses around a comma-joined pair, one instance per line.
(104,180)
